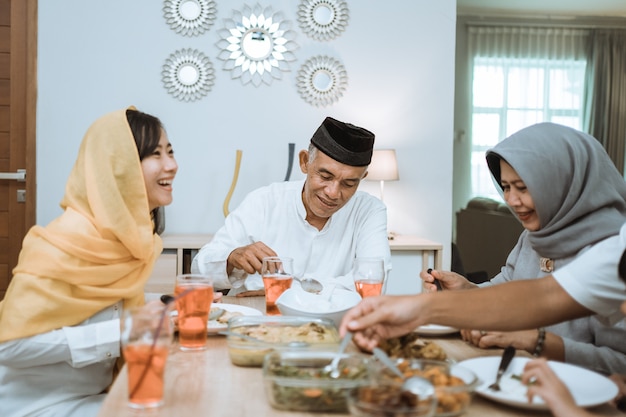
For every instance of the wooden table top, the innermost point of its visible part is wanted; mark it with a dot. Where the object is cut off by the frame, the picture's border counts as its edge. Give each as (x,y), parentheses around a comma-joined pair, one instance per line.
(207,383)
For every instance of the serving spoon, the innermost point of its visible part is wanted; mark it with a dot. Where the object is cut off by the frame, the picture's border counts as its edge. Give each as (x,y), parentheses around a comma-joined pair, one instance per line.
(310,285)
(415,384)
(333,368)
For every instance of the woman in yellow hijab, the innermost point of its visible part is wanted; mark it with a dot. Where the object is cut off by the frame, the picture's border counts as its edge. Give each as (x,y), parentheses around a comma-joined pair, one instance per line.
(59,320)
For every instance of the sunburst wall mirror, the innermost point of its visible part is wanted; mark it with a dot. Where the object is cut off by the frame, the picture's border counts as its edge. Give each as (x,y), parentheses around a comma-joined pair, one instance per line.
(188,75)
(189,17)
(322,80)
(323,20)
(256,45)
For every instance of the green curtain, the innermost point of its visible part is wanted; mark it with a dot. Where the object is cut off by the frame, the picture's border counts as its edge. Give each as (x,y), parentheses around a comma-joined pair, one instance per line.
(605,103)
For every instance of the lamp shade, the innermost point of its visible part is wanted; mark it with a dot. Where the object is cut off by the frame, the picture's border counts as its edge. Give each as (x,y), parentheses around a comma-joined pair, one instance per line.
(384,166)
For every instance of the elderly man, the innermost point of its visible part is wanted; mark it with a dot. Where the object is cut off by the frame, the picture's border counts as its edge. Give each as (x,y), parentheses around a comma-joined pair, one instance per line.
(323,222)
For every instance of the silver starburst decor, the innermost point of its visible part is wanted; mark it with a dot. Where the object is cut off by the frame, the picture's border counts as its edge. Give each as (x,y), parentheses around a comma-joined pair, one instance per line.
(188,74)
(256,45)
(323,20)
(322,80)
(189,17)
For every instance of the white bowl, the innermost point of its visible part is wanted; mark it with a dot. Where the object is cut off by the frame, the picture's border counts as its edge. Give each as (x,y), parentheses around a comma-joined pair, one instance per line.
(296,302)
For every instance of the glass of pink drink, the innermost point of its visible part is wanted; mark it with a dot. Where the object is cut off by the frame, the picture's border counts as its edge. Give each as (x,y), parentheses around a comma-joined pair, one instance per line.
(194,306)
(277,276)
(369,276)
(146,340)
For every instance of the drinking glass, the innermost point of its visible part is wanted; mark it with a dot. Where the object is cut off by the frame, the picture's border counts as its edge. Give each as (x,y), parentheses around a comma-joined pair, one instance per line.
(194,295)
(146,339)
(277,273)
(369,276)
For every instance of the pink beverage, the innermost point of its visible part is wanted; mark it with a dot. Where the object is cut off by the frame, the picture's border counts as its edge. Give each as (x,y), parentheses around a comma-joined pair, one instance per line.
(193,314)
(275,285)
(146,366)
(368,288)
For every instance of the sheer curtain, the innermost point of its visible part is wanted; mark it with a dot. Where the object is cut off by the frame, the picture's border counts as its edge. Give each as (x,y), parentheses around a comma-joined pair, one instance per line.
(535,73)
(605,110)
(527,42)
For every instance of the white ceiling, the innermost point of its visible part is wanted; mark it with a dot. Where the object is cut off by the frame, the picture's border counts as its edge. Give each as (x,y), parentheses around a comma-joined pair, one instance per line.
(543,8)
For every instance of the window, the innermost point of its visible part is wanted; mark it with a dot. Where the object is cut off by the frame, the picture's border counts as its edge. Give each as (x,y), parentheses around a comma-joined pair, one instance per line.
(509,94)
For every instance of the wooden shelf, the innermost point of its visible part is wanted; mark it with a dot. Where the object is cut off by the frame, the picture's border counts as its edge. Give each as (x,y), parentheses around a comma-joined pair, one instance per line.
(406,250)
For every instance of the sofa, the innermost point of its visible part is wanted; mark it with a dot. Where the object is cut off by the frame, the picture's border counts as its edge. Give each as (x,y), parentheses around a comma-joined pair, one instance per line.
(486,231)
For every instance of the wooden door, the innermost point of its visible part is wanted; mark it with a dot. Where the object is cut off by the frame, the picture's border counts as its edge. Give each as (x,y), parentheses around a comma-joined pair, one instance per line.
(18,95)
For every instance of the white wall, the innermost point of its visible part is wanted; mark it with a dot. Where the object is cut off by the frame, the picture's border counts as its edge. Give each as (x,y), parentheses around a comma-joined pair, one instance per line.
(101,55)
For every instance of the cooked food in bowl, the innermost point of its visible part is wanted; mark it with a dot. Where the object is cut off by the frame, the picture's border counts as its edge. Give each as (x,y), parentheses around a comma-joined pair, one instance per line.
(389,399)
(277,332)
(309,332)
(299,380)
(454,384)
(411,346)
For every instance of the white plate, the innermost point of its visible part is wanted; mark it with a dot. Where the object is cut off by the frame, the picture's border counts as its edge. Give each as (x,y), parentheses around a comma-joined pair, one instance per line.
(587,387)
(214,327)
(435,329)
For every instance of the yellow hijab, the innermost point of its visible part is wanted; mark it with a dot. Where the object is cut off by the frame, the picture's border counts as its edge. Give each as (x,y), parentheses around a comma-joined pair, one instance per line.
(99,251)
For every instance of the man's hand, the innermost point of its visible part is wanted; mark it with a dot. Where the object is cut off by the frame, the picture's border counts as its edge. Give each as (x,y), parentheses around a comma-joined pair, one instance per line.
(249,258)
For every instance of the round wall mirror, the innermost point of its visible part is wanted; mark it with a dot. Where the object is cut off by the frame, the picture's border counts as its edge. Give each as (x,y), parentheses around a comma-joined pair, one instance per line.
(189,17)
(323,14)
(188,75)
(189,9)
(323,20)
(322,80)
(256,45)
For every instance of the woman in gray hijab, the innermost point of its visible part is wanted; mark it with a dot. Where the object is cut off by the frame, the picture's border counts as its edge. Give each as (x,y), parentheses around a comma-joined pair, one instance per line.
(568,195)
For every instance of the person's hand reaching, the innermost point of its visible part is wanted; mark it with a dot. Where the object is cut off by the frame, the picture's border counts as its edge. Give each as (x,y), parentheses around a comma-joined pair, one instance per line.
(380,318)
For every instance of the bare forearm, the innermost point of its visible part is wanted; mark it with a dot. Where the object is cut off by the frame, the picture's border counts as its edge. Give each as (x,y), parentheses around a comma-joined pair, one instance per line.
(518,305)
(511,306)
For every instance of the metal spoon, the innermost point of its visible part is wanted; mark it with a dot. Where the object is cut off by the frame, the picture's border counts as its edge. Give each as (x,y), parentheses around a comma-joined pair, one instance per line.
(415,384)
(310,285)
(333,368)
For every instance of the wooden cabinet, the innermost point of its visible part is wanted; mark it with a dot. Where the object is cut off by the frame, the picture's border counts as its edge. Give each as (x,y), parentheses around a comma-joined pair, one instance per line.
(409,255)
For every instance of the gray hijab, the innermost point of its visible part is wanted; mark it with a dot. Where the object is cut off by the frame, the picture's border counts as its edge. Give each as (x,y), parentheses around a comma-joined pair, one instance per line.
(579,195)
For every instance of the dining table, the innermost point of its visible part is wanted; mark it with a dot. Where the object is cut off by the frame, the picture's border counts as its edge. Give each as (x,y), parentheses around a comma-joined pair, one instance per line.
(206,383)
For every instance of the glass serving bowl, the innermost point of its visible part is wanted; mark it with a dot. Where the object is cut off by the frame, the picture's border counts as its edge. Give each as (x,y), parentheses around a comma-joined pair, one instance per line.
(277,333)
(298,380)
(454,384)
(389,399)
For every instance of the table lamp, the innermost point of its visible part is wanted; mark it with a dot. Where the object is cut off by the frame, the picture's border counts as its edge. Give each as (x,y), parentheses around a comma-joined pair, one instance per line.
(384,167)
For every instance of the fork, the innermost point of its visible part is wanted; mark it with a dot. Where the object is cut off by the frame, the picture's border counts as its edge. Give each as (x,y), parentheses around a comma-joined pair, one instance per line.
(507,356)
